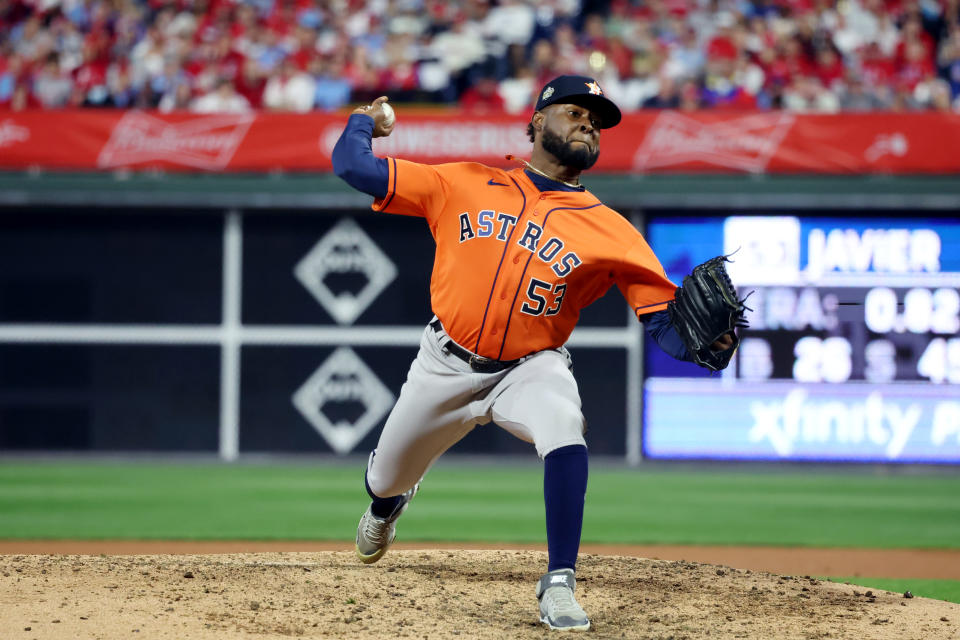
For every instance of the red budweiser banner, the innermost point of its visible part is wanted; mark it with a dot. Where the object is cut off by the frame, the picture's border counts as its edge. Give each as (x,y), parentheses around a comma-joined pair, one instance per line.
(665,141)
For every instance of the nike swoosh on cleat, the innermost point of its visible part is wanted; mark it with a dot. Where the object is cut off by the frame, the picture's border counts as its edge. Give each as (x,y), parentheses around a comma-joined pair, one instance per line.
(493,183)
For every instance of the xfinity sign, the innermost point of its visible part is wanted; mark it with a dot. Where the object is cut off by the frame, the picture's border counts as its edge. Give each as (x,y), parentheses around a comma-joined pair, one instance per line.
(785,420)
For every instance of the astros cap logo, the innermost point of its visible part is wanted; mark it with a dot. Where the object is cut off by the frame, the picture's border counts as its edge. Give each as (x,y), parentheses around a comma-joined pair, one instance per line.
(583,91)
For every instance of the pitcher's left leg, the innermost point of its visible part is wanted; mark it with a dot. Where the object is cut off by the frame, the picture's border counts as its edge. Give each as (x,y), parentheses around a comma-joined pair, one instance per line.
(539,402)
(564,490)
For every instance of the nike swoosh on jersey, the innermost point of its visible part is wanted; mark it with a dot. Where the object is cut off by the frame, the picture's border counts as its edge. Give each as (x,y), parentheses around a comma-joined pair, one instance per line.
(494,183)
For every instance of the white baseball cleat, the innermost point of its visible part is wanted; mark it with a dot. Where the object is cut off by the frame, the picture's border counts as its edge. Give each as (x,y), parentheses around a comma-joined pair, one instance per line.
(375,534)
(559,610)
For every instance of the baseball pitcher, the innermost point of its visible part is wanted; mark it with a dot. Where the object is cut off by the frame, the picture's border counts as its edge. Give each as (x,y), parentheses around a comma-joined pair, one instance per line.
(519,253)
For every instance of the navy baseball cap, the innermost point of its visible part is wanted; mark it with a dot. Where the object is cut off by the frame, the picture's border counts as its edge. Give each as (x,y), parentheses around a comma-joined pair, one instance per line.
(582,91)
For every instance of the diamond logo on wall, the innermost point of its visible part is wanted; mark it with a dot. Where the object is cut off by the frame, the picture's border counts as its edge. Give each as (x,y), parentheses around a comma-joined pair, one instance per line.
(345,271)
(343,400)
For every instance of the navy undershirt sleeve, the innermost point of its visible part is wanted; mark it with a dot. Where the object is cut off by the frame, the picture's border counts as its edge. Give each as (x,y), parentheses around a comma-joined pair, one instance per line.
(659,327)
(353,158)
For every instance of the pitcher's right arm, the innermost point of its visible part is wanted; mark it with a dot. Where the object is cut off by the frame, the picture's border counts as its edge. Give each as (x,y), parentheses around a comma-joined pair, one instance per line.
(353,159)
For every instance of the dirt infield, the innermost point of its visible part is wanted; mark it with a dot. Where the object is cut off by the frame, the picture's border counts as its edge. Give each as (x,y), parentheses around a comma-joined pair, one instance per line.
(868,563)
(434,594)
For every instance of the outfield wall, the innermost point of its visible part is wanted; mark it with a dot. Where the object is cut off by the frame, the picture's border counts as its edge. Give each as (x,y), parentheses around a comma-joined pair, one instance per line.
(237,332)
(275,315)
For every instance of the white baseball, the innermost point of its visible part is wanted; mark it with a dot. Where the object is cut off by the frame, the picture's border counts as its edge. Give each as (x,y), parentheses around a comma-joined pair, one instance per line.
(388,115)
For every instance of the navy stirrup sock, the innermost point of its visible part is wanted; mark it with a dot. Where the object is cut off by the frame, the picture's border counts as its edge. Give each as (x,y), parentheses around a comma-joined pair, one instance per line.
(564,490)
(382,507)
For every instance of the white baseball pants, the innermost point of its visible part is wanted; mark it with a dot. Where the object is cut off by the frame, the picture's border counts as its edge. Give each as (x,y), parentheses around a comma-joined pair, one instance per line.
(536,400)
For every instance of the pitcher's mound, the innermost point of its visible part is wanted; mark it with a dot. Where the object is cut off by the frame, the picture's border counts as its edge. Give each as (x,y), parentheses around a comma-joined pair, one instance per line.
(434,594)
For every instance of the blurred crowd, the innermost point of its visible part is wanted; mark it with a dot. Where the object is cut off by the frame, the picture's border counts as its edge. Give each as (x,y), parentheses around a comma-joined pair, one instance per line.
(817,56)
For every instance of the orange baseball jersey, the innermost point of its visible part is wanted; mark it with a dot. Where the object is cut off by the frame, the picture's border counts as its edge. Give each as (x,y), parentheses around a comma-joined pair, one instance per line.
(514,266)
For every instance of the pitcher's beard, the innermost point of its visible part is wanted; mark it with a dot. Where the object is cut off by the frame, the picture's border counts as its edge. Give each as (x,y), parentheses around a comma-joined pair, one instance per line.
(579,158)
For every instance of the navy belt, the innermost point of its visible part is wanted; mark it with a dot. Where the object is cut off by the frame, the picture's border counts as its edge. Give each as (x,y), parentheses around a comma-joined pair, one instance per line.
(477,363)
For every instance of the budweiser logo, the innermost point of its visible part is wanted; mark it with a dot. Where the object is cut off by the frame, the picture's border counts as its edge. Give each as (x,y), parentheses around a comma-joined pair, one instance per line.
(444,140)
(746,143)
(204,142)
(11,132)
(892,144)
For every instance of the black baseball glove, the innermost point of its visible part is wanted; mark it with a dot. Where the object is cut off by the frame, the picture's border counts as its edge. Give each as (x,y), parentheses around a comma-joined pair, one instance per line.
(705,309)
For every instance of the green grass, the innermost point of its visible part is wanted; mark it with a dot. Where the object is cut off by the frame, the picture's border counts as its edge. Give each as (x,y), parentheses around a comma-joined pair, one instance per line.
(465,503)
(948,590)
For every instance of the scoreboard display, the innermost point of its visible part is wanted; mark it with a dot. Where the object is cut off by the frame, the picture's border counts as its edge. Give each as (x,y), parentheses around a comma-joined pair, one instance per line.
(853,349)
